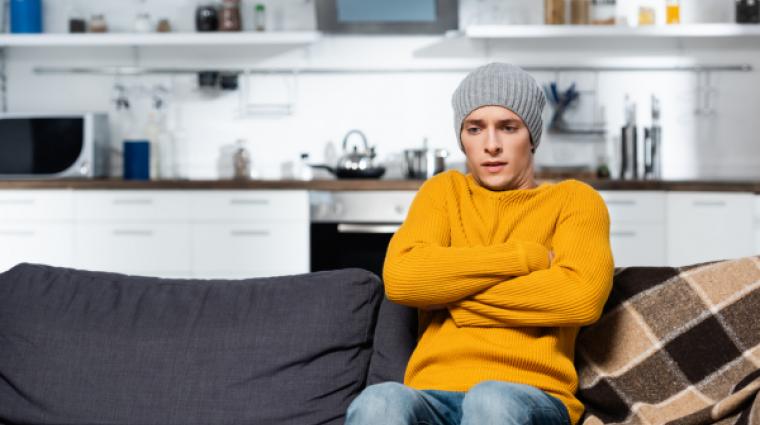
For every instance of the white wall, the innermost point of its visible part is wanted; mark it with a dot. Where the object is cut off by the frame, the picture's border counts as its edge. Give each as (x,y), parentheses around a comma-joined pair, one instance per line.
(397,110)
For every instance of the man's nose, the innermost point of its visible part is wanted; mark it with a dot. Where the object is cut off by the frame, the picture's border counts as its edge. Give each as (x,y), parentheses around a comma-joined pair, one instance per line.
(493,144)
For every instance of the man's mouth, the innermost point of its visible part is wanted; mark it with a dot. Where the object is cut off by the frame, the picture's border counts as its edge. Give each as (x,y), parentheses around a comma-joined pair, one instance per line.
(494,166)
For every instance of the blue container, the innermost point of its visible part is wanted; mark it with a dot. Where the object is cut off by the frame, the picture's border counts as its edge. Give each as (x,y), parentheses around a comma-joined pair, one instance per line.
(136,160)
(26,16)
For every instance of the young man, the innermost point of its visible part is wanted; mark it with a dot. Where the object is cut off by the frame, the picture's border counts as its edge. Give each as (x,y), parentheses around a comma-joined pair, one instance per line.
(503,271)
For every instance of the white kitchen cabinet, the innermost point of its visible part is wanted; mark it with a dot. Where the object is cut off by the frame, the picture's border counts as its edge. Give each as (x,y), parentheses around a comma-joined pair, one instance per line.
(709,226)
(250,233)
(144,248)
(131,205)
(36,242)
(36,227)
(637,227)
(195,233)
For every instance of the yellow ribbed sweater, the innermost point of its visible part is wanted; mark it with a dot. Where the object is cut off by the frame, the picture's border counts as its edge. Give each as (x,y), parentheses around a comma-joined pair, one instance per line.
(476,264)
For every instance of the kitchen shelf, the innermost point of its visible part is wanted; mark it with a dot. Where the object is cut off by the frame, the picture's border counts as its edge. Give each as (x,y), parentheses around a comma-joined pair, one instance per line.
(159,39)
(690,31)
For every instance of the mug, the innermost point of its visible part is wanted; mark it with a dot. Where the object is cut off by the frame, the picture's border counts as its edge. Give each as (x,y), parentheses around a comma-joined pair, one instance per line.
(26,16)
(136,160)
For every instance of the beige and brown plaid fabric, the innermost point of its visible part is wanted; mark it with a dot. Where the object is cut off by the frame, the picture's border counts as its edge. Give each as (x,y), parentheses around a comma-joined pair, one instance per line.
(675,345)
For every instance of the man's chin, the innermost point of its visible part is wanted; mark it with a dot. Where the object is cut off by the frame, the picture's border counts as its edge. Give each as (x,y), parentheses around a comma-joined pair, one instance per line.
(494,183)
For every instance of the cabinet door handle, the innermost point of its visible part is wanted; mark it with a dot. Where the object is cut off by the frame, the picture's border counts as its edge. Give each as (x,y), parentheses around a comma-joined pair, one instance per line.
(21,233)
(133,202)
(624,234)
(246,233)
(626,202)
(130,232)
(709,203)
(367,228)
(16,201)
(239,201)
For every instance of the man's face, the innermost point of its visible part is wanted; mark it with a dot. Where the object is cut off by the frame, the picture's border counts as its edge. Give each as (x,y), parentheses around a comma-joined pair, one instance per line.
(498,149)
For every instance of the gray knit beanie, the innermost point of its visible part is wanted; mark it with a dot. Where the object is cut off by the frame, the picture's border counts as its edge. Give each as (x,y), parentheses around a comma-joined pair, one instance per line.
(505,85)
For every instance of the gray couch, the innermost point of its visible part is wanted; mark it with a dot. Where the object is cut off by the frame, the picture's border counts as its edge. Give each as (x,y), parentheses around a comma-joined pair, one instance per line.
(79,347)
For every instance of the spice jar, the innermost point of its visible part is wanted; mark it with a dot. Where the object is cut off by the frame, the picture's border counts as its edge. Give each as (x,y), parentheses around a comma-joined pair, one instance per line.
(230,19)
(142,23)
(603,12)
(98,23)
(580,12)
(554,12)
(206,18)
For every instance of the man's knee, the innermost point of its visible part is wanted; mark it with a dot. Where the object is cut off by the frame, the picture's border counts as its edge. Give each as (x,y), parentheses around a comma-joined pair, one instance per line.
(386,400)
(493,400)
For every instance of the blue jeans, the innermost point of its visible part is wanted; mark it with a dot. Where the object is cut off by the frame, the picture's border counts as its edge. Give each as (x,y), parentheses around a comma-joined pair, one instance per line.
(487,403)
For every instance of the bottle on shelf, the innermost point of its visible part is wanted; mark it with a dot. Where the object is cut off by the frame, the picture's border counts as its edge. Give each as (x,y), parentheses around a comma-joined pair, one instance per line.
(647,16)
(580,12)
(554,12)
(260,17)
(673,12)
(230,16)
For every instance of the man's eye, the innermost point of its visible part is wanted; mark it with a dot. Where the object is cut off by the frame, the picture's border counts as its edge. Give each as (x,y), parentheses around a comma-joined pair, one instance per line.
(510,128)
(473,130)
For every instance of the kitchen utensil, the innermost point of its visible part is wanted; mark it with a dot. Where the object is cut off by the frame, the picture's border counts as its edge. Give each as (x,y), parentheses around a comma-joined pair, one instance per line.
(424,163)
(355,164)
(628,144)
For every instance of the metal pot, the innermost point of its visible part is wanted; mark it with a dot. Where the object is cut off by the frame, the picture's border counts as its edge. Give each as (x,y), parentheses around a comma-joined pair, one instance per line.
(356,164)
(424,163)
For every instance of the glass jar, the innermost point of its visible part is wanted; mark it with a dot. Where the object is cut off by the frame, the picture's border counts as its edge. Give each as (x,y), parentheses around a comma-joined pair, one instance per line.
(603,12)
(580,12)
(98,23)
(554,12)
(230,19)
(206,18)
(673,12)
(142,23)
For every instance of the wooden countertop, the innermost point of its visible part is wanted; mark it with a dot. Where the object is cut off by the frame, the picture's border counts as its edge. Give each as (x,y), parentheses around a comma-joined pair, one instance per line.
(334,185)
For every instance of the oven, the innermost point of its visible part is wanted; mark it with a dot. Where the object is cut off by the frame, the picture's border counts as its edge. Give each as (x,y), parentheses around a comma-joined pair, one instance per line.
(353,228)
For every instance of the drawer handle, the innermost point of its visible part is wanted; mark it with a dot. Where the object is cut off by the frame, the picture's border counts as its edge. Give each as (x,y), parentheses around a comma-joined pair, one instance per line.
(624,234)
(249,202)
(709,203)
(124,232)
(133,202)
(621,202)
(245,233)
(23,233)
(17,201)
(367,228)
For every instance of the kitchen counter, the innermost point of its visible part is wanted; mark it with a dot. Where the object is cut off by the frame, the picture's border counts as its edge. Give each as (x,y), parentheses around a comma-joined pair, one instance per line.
(333,185)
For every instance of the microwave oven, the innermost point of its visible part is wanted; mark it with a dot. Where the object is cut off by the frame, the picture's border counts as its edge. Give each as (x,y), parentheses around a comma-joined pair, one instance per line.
(387,16)
(54,146)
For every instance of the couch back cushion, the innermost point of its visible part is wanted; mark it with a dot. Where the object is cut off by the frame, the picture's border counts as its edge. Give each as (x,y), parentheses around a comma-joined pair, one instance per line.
(671,342)
(395,339)
(89,347)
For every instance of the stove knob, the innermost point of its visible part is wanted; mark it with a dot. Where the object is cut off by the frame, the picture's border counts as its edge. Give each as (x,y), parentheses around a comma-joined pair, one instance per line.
(337,209)
(400,209)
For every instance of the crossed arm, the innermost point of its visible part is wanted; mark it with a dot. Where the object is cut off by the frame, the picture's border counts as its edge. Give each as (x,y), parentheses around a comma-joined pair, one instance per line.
(509,284)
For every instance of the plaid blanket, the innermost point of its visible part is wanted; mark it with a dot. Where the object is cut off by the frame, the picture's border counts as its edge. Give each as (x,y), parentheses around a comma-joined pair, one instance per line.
(675,346)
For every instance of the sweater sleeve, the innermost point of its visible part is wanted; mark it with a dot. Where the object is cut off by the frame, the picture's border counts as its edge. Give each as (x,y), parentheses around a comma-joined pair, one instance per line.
(571,292)
(422,270)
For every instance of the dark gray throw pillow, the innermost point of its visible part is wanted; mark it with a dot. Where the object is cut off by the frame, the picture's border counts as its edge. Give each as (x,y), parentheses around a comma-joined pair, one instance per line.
(80,347)
(395,339)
